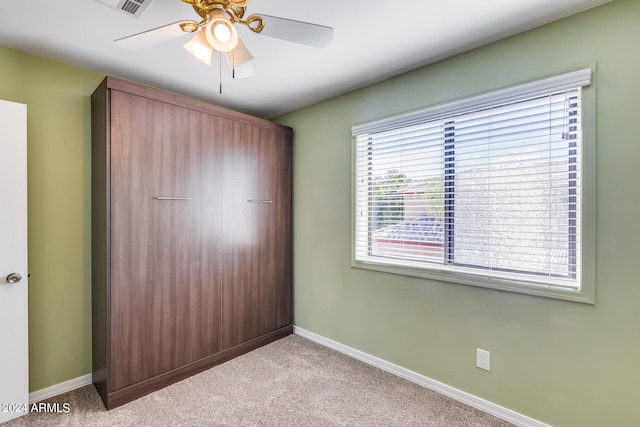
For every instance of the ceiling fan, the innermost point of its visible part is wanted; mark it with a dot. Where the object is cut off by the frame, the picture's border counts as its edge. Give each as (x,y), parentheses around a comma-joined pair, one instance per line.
(216,32)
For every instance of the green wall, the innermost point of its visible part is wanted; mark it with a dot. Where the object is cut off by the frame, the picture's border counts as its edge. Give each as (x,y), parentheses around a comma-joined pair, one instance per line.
(59,197)
(564,363)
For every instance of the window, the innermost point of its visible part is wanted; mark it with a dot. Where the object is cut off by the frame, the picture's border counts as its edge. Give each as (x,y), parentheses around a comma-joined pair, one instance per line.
(487,191)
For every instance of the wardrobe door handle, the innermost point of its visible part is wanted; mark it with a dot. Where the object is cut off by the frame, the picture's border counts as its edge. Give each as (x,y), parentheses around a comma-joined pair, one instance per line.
(260,201)
(171,198)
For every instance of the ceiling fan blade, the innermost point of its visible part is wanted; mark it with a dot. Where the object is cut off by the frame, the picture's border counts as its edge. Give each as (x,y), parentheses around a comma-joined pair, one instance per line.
(243,71)
(296,31)
(151,37)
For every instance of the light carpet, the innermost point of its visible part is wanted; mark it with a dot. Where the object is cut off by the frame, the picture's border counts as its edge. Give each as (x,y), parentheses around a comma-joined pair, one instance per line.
(291,382)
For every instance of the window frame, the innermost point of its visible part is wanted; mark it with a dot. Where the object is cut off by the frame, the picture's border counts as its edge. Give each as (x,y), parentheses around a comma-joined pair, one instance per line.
(578,77)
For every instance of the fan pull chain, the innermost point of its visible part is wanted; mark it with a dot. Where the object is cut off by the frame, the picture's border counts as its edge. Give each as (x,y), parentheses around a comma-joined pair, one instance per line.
(233,64)
(220,70)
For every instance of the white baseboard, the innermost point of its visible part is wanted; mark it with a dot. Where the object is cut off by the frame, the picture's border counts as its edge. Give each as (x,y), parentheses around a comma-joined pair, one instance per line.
(57,389)
(459,395)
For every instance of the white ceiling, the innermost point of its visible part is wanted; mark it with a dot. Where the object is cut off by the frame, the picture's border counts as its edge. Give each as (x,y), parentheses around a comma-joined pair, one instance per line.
(373,40)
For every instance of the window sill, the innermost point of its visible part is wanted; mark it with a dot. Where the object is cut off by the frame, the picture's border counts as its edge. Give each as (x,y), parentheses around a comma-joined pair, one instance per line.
(502,284)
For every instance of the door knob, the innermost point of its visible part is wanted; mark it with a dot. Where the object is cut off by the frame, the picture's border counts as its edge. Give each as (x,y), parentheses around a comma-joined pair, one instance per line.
(14,278)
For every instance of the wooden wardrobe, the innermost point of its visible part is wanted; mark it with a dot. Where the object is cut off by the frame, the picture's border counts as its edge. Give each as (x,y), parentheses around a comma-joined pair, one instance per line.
(191,237)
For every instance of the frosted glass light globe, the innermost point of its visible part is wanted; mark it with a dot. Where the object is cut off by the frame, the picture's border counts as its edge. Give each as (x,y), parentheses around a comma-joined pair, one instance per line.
(222,32)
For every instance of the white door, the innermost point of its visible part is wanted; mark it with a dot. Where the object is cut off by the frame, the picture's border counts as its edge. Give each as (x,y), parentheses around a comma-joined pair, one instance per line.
(14,350)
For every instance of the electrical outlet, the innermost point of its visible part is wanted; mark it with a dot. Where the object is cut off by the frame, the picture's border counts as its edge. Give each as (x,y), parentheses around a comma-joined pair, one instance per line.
(483,359)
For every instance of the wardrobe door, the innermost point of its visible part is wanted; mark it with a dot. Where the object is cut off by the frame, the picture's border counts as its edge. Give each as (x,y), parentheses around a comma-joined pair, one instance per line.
(165,238)
(257,232)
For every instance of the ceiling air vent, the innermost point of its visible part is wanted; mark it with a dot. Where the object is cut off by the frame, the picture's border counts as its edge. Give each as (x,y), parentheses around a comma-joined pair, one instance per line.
(133,8)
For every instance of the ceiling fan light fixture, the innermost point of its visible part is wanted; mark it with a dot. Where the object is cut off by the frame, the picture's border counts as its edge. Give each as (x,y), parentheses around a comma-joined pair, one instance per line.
(220,32)
(240,54)
(199,47)
(239,60)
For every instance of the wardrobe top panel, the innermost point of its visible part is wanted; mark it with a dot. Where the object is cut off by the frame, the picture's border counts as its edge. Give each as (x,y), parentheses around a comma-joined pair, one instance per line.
(118,84)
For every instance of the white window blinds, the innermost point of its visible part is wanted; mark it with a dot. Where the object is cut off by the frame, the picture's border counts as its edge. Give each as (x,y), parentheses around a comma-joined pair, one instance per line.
(489,186)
